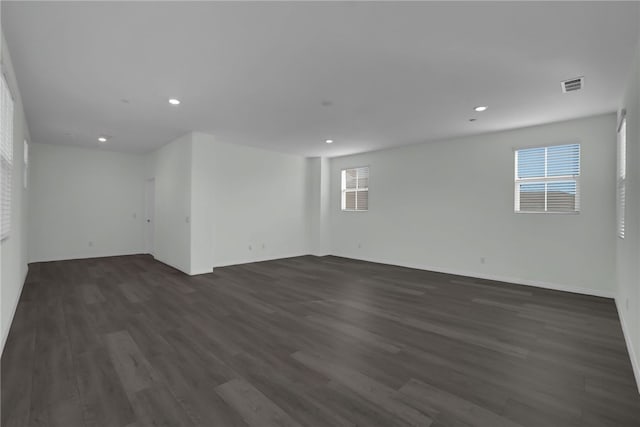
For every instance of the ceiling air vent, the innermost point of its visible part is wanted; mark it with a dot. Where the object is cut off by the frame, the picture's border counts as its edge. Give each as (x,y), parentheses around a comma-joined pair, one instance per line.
(572,85)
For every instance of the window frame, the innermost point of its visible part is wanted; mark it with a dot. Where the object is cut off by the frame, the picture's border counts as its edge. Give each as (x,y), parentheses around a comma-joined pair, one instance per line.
(344,190)
(621,176)
(545,180)
(25,163)
(10,161)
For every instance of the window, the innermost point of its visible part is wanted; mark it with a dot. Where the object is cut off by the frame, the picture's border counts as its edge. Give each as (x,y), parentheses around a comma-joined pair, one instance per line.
(622,175)
(548,179)
(6,157)
(355,189)
(25,166)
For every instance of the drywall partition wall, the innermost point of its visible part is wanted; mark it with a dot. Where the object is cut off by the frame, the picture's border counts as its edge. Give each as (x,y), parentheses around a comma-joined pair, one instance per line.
(202,201)
(449,206)
(171,168)
(314,205)
(84,203)
(318,183)
(628,249)
(325,208)
(256,201)
(13,250)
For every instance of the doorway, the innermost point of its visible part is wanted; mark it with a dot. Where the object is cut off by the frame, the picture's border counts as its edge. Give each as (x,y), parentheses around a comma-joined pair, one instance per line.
(150,208)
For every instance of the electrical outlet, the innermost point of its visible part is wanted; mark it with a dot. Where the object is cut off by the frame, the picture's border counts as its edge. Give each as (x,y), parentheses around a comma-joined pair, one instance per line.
(482,260)
(250,248)
(359,245)
(264,246)
(135,215)
(90,243)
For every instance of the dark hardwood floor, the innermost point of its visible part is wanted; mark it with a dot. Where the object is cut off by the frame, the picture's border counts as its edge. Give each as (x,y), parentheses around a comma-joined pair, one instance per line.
(127,341)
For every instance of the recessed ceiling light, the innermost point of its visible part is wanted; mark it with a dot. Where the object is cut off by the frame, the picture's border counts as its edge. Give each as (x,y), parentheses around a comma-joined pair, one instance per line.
(329,141)
(480,108)
(102,139)
(174,101)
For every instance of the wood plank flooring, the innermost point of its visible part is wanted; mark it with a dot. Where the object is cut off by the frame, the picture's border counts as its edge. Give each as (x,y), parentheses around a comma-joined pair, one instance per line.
(307,341)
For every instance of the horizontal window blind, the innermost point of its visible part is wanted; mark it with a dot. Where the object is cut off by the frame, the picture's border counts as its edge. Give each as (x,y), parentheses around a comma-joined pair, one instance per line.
(622,177)
(547,179)
(355,189)
(6,157)
(25,167)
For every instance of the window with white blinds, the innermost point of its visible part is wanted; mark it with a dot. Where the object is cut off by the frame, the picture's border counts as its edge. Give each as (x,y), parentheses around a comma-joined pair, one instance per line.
(622,176)
(6,157)
(355,189)
(25,166)
(547,179)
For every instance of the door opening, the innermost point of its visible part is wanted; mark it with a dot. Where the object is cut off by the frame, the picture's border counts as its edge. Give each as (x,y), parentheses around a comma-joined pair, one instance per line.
(150,201)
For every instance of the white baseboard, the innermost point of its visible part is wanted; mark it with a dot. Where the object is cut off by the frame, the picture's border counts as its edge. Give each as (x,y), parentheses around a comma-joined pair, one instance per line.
(183,270)
(544,285)
(498,278)
(170,264)
(5,335)
(320,254)
(249,261)
(86,256)
(198,272)
(635,363)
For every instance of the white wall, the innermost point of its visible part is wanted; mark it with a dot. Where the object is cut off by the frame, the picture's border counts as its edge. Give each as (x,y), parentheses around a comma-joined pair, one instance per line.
(202,203)
(444,205)
(84,203)
(628,249)
(171,168)
(256,201)
(215,203)
(318,205)
(324,243)
(13,250)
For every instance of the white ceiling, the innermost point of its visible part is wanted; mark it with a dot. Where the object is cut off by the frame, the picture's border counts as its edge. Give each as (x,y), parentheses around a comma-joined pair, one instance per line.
(286,76)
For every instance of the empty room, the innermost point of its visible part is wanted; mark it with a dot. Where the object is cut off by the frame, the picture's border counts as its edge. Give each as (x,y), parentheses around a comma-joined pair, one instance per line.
(320,213)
